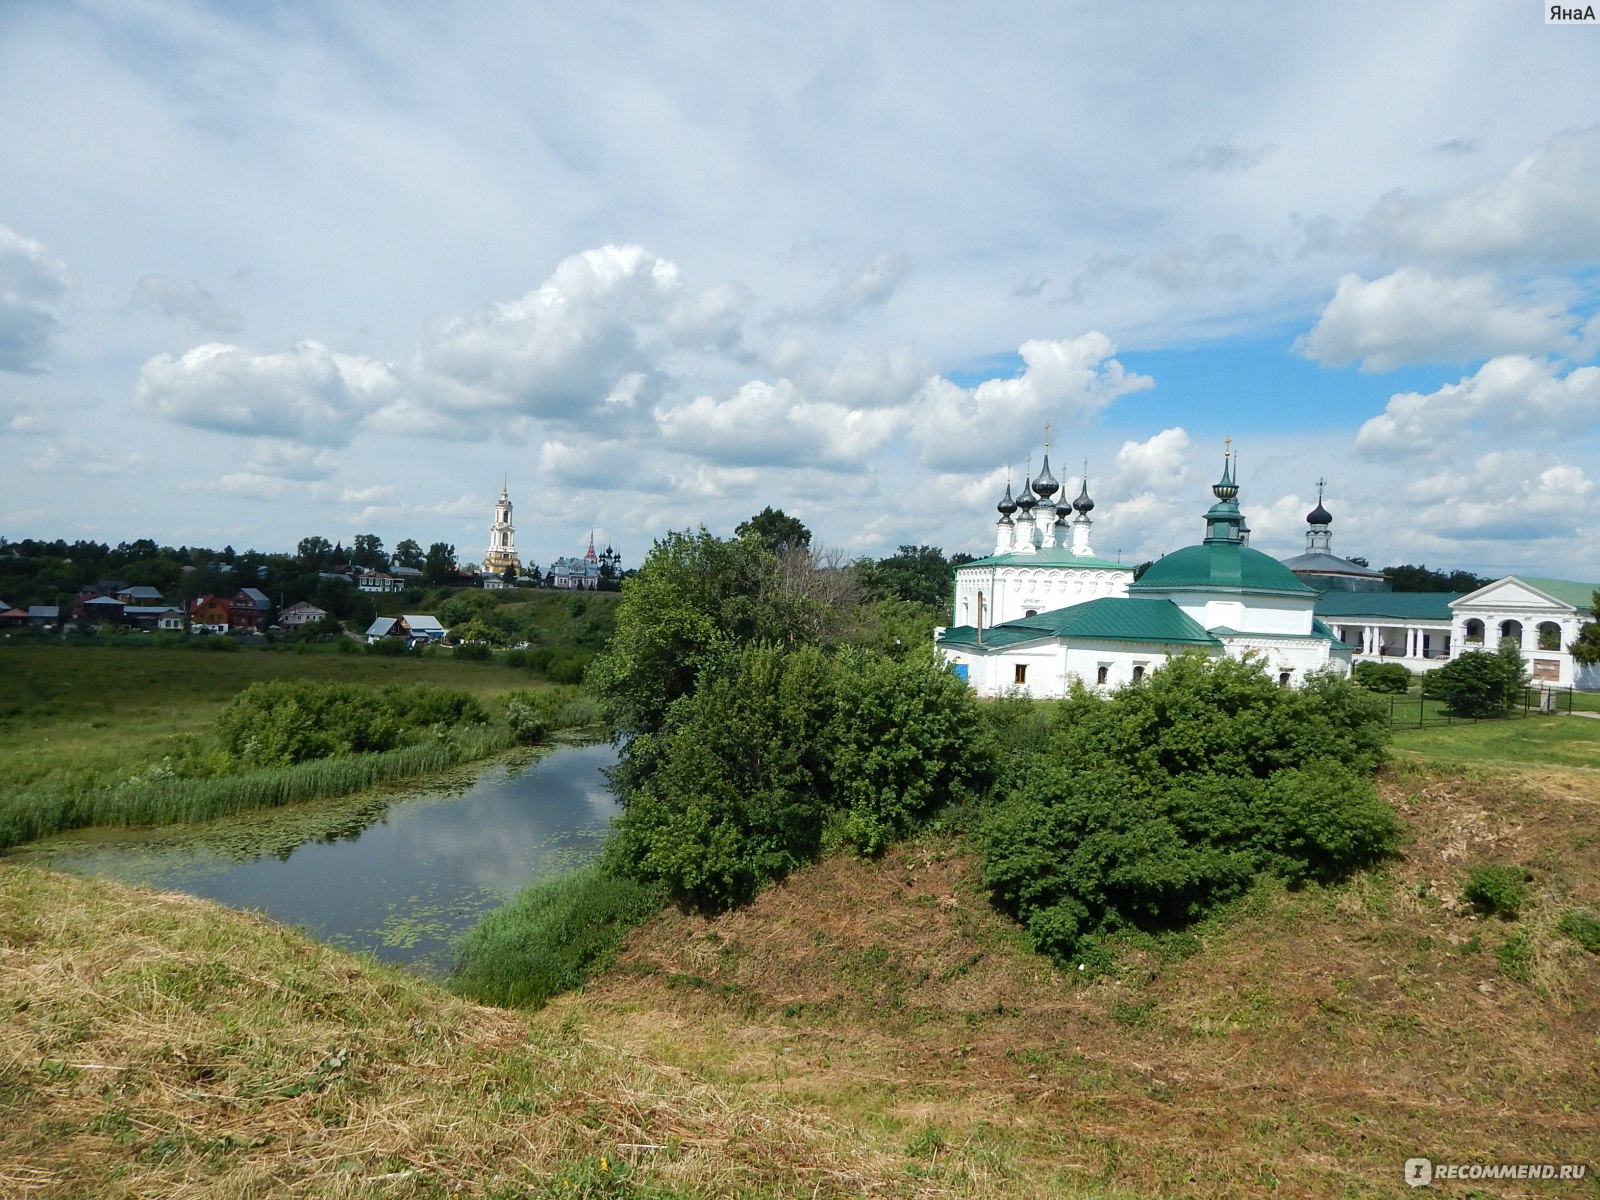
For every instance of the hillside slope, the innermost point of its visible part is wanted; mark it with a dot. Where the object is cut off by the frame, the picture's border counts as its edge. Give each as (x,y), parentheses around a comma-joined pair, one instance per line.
(865,1029)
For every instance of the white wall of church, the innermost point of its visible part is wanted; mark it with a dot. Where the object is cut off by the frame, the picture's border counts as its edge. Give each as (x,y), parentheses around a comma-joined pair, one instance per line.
(1012,592)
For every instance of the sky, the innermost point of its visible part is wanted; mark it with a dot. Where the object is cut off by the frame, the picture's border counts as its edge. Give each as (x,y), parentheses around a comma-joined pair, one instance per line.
(278,270)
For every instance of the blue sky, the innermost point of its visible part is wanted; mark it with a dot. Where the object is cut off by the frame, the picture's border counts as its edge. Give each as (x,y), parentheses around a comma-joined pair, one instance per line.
(285,269)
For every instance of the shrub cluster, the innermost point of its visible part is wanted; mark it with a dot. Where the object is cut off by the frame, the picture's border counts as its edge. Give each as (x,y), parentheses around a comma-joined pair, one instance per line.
(1151,807)
(532,714)
(1480,683)
(777,754)
(1389,678)
(289,721)
(1496,891)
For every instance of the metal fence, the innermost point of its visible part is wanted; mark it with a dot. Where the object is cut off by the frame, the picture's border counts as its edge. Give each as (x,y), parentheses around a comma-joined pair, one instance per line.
(1413,711)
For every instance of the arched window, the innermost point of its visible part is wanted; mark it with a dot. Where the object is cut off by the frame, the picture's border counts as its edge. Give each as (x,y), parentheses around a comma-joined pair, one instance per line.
(1475,630)
(1549,635)
(1100,676)
(1511,631)
(1032,612)
(1138,673)
(1283,679)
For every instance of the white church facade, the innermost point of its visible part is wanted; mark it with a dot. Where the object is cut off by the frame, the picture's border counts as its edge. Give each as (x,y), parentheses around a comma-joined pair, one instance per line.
(1043,613)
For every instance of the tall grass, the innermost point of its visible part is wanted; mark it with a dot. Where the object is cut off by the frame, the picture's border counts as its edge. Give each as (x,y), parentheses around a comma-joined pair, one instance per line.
(551,938)
(45,810)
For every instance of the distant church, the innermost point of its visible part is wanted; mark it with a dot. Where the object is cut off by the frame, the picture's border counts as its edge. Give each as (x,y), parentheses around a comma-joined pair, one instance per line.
(1043,612)
(583,573)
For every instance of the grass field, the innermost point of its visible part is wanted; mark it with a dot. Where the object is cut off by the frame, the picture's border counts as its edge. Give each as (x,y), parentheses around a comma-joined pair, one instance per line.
(84,715)
(866,1028)
(1559,741)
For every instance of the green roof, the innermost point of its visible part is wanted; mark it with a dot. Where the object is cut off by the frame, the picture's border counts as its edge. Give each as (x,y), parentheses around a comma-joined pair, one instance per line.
(1398,606)
(1579,595)
(1110,618)
(1049,556)
(1220,566)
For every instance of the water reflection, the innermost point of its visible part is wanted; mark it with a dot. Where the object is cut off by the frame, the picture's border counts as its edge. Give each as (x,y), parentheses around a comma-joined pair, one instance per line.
(398,876)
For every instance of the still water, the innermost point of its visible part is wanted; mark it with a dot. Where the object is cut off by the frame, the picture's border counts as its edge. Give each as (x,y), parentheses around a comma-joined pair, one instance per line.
(398,875)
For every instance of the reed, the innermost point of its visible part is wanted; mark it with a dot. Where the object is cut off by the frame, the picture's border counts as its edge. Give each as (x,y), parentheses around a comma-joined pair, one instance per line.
(156,800)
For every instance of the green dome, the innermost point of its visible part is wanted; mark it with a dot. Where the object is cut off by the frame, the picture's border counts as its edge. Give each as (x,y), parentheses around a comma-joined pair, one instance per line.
(1223,565)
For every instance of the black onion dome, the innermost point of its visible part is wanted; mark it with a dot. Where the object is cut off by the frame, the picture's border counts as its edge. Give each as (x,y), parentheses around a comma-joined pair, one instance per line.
(1063,505)
(1025,498)
(1083,504)
(1046,485)
(1319,515)
(1007,505)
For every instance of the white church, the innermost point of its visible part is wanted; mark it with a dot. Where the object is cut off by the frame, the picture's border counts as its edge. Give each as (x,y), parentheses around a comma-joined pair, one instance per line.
(1043,611)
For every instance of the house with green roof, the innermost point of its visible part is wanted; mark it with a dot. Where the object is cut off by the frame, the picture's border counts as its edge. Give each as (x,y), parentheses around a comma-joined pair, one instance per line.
(1220,597)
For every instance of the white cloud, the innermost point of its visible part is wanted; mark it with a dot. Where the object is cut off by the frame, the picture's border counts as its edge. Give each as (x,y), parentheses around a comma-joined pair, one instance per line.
(163,296)
(74,456)
(1542,212)
(290,460)
(1511,395)
(1066,380)
(773,423)
(1515,495)
(34,289)
(1159,462)
(307,393)
(1412,316)
(378,493)
(856,292)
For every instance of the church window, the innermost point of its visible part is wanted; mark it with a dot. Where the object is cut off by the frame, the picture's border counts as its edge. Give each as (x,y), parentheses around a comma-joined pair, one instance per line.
(1283,679)
(1032,612)
(1138,673)
(1021,674)
(1101,675)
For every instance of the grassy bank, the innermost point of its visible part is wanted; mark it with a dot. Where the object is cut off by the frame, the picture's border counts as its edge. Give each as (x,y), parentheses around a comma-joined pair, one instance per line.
(1548,740)
(44,810)
(865,1028)
(106,736)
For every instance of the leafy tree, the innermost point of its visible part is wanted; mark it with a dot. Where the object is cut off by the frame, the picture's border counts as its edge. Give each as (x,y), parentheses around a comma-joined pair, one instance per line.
(1585,647)
(368,551)
(918,573)
(439,566)
(1480,683)
(409,554)
(1408,578)
(314,552)
(776,530)
(1389,678)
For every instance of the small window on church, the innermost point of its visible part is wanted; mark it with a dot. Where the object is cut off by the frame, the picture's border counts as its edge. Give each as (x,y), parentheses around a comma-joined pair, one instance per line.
(1021,673)
(1104,671)
(1283,679)
(1032,612)
(1138,673)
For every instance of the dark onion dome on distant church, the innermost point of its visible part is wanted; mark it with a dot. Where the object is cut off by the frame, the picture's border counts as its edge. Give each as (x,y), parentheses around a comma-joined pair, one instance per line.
(1063,506)
(1319,515)
(1007,505)
(1046,485)
(1025,498)
(1322,568)
(1083,504)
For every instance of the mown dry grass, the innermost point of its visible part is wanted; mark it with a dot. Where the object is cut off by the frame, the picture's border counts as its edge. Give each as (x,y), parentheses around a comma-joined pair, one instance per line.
(1306,1044)
(864,1029)
(156,1045)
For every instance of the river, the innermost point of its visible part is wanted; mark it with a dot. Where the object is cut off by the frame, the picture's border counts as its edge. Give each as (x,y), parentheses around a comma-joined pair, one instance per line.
(398,875)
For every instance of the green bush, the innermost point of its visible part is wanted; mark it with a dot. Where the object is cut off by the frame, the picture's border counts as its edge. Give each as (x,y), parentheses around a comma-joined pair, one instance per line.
(290,721)
(474,652)
(1480,683)
(1149,808)
(1389,678)
(1496,891)
(1581,927)
(551,937)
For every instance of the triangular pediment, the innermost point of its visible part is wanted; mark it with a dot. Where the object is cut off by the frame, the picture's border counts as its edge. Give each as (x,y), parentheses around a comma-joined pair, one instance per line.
(1510,593)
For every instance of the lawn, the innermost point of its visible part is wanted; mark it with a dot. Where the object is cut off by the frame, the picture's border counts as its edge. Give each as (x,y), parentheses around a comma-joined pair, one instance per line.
(1563,741)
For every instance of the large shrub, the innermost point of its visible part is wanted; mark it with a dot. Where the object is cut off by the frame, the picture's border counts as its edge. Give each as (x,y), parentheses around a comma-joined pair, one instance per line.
(1149,808)
(1480,683)
(1388,678)
(288,721)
